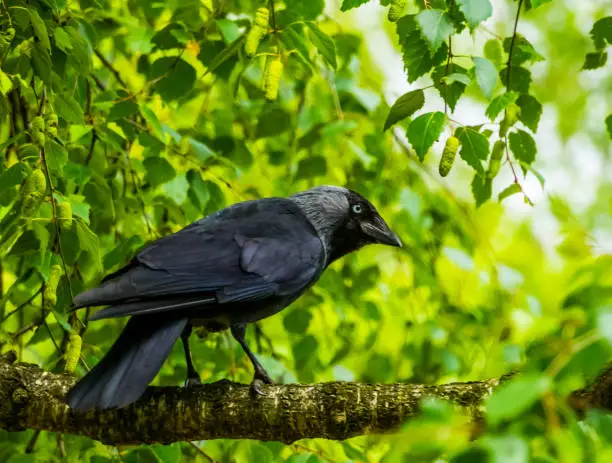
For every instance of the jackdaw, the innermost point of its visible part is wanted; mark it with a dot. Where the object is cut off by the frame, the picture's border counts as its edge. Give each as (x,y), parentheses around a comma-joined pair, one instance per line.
(234,267)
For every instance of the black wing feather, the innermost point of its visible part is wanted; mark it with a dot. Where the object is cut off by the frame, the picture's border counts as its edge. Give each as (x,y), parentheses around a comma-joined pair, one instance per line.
(248,251)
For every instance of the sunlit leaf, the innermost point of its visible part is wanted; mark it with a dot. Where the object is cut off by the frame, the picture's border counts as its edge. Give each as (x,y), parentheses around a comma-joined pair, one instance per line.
(515,397)
(424,130)
(475,11)
(522,146)
(435,26)
(474,147)
(486,75)
(405,106)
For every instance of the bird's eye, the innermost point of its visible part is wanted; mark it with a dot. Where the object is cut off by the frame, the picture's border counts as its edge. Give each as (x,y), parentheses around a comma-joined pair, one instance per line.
(357,209)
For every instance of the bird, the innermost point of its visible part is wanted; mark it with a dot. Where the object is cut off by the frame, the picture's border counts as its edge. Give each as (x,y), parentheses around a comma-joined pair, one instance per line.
(234,267)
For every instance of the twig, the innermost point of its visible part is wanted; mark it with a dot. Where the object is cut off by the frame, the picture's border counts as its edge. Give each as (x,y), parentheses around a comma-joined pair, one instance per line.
(22,305)
(511,49)
(110,67)
(448,60)
(55,220)
(32,442)
(580,343)
(508,86)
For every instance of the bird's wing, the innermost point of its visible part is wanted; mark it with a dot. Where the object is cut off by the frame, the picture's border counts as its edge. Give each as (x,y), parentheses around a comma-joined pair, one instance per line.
(247,252)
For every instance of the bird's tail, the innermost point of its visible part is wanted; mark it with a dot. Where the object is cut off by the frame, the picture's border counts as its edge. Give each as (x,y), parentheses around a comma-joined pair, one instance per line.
(130,365)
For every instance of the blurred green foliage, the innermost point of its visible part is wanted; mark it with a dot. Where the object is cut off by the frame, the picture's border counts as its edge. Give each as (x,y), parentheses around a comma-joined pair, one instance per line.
(145,116)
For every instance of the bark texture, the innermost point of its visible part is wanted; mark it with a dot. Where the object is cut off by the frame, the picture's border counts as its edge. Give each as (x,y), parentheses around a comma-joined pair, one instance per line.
(31,398)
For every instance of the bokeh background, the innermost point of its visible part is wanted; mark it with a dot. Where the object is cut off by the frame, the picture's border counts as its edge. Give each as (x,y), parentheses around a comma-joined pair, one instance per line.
(475,293)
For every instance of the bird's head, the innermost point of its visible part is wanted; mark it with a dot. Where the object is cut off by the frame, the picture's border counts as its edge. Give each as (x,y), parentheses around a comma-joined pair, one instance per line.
(344,220)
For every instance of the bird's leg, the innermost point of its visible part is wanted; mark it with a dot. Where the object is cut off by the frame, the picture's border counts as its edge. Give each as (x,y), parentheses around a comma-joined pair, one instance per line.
(192,375)
(261,376)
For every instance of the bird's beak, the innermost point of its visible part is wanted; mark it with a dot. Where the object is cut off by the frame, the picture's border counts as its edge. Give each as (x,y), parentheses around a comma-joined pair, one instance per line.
(379,231)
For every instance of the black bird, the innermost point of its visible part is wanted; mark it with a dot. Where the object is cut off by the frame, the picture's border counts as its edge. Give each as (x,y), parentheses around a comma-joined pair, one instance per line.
(234,267)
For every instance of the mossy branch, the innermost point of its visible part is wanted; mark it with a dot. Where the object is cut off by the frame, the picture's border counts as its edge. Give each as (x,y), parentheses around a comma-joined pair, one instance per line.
(31,398)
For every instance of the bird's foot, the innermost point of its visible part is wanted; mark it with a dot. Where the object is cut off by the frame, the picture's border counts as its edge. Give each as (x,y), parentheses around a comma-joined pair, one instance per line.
(193,381)
(261,377)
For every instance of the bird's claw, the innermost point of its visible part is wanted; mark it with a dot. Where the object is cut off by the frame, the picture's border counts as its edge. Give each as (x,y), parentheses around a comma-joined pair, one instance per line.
(261,378)
(193,381)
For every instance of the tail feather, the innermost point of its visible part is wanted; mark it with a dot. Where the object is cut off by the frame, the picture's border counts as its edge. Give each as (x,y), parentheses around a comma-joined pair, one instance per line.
(122,376)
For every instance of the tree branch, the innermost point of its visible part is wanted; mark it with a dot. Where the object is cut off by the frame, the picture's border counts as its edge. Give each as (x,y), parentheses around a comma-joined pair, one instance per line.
(31,398)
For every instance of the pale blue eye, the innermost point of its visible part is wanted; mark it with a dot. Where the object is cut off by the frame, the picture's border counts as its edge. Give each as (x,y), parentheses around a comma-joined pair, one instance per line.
(357,209)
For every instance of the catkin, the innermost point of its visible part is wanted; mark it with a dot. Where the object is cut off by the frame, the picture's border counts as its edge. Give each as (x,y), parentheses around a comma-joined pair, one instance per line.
(50,292)
(272,75)
(64,215)
(33,192)
(396,9)
(73,352)
(257,31)
(496,157)
(448,155)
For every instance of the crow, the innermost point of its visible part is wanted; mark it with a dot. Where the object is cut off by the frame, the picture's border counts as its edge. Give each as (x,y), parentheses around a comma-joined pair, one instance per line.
(237,266)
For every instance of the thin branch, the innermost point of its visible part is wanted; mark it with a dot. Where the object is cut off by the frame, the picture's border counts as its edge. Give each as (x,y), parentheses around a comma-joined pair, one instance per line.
(22,305)
(511,49)
(110,67)
(448,60)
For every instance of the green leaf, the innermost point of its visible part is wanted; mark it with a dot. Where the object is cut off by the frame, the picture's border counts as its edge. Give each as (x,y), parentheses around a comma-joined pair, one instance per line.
(537,3)
(273,120)
(229,30)
(609,124)
(405,106)
(509,191)
(166,38)
(595,60)
(520,79)
(474,147)
(56,155)
(499,103)
(41,62)
(176,77)
(69,109)
(122,109)
(457,77)
(224,55)
(604,323)
(417,57)
(522,146)
(531,111)
(493,52)
(451,86)
(602,32)
(201,150)
(424,131)
(89,242)
(481,188)
(323,43)
(436,26)
(349,4)
(512,399)
(306,10)
(40,29)
(475,11)
(297,321)
(312,166)
(62,39)
(486,75)
(293,39)
(159,170)
(522,50)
